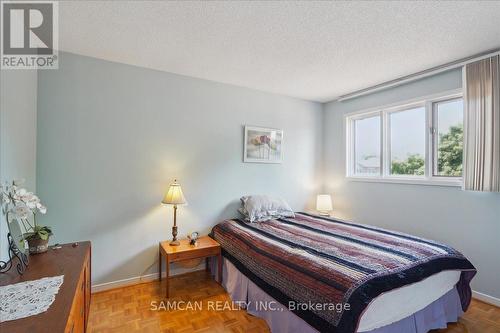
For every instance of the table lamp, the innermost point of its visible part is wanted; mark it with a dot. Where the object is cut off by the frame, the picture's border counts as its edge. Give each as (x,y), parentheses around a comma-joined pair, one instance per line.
(324,204)
(174,197)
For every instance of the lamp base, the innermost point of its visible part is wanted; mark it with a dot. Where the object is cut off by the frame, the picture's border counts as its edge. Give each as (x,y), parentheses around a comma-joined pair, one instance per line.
(324,214)
(174,241)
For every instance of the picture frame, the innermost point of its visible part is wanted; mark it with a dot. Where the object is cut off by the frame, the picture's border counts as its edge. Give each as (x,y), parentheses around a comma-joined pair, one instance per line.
(263,145)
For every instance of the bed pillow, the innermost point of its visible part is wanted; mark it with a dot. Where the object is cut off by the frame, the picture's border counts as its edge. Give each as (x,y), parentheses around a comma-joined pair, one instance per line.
(258,208)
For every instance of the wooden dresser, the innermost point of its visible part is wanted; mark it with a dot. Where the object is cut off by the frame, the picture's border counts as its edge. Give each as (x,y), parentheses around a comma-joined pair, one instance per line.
(70,310)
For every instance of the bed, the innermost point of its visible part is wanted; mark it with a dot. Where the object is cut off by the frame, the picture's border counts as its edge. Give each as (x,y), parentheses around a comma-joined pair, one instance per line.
(310,273)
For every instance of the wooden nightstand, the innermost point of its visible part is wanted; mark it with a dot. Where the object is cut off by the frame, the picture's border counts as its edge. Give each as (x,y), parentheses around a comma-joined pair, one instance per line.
(205,247)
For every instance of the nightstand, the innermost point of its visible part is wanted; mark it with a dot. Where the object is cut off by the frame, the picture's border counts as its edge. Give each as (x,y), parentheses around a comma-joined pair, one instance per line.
(205,247)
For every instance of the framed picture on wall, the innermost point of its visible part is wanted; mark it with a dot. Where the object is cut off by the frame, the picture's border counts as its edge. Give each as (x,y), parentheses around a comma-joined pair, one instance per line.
(263,145)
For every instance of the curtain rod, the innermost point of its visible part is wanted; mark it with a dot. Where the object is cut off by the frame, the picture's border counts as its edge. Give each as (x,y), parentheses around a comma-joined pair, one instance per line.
(419,75)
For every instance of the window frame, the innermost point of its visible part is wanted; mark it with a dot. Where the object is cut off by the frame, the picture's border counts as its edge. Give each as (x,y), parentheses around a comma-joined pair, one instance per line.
(429,178)
(435,135)
(352,131)
(388,156)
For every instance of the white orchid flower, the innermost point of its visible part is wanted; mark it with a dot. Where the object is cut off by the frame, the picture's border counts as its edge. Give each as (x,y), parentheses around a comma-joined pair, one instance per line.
(21,211)
(21,191)
(42,209)
(30,197)
(19,202)
(18,194)
(26,196)
(31,204)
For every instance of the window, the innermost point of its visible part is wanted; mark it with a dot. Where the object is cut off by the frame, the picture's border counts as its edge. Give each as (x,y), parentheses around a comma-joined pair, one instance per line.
(367,150)
(419,141)
(407,140)
(448,138)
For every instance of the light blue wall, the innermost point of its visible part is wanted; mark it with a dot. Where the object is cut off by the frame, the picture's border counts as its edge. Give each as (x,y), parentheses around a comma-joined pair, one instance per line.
(466,220)
(18,104)
(111,137)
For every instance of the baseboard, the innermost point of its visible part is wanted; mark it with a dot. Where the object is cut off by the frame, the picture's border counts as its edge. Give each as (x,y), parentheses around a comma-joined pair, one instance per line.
(486,298)
(124,283)
(139,279)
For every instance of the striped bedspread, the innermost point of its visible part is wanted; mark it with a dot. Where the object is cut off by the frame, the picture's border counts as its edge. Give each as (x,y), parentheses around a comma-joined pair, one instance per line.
(327,271)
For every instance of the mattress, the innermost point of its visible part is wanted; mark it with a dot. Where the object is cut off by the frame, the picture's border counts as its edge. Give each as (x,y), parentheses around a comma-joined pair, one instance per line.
(397,304)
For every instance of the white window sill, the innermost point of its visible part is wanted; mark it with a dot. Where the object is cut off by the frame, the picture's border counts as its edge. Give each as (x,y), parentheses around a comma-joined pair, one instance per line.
(454,182)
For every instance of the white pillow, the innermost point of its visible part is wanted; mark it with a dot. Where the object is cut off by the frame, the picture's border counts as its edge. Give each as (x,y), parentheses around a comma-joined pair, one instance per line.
(258,208)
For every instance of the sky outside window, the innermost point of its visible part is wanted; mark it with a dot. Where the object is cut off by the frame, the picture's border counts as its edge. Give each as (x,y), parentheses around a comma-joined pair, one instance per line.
(367,146)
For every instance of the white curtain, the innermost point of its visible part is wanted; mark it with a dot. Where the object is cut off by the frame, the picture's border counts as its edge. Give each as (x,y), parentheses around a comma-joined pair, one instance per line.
(481,170)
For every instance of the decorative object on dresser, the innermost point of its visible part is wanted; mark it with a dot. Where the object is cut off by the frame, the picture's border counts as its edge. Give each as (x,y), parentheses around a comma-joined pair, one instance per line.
(193,238)
(205,247)
(20,255)
(263,145)
(174,197)
(70,308)
(28,298)
(19,207)
(324,204)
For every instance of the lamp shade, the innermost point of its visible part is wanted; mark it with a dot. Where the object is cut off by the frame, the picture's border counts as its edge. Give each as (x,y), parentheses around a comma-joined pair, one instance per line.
(174,195)
(324,203)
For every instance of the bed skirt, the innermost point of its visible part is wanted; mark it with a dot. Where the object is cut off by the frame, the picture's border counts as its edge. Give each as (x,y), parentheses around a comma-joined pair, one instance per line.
(281,320)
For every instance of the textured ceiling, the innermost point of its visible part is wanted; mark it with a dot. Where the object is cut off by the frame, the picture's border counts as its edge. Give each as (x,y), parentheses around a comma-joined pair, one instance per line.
(311,50)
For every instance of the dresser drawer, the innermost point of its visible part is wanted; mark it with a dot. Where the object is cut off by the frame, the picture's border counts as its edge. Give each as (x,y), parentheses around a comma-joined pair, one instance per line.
(76,322)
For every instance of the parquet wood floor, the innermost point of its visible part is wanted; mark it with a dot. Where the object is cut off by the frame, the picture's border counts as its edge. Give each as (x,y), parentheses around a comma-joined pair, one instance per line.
(128,310)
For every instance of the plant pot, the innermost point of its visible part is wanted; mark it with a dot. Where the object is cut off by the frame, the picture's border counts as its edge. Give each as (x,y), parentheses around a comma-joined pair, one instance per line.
(38,245)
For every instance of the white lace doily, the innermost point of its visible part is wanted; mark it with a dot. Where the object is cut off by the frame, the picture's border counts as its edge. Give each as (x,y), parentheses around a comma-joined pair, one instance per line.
(28,298)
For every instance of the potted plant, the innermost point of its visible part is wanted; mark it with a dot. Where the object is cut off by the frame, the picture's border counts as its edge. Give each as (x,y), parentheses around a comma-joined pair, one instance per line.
(17,202)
